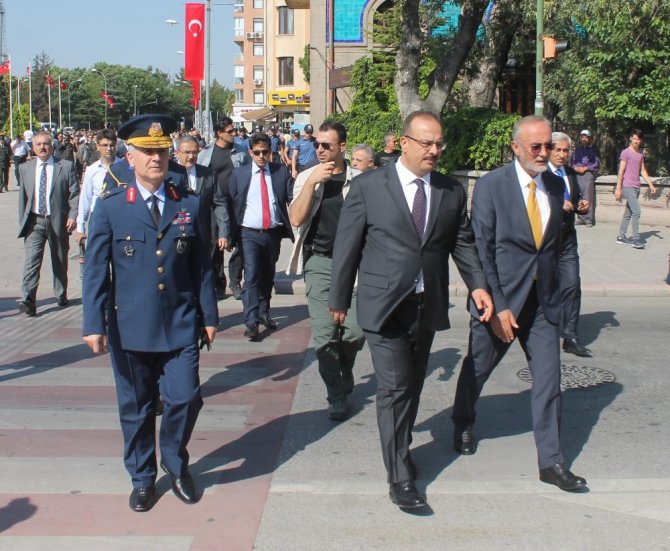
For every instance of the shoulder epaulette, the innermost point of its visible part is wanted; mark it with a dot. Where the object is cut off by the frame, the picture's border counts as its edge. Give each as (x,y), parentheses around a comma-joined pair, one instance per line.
(108,192)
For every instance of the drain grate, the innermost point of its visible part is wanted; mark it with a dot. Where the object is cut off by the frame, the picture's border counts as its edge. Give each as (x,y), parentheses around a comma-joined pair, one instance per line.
(576,376)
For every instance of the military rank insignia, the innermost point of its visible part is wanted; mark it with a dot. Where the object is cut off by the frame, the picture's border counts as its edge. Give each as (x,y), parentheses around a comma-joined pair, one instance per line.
(131,195)
(183,218)
(173,193)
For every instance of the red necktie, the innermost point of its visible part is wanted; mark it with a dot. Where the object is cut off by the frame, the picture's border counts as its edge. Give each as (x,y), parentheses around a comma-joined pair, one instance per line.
(265,202)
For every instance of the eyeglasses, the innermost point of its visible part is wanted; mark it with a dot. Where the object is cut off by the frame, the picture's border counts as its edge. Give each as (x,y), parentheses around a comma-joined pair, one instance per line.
(535,148)
(260,152)
(325,145)
(229,131)
(425,144)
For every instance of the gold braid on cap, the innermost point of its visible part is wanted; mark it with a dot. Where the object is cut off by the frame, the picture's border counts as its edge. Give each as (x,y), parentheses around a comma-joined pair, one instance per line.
(154,138)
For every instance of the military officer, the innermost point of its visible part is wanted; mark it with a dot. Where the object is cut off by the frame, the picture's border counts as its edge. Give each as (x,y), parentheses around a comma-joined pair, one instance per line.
(151,307)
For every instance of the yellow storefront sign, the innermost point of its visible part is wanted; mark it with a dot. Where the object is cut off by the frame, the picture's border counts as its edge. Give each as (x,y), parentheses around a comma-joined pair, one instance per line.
(295,97)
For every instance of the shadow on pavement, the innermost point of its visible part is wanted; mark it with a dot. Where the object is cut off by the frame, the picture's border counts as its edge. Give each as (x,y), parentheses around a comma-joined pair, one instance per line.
(16,511)
(44,362)
(590,325)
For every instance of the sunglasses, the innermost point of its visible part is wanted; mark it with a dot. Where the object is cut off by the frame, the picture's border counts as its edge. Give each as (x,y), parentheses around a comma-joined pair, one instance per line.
(259,152)
(325,145)
(535,148)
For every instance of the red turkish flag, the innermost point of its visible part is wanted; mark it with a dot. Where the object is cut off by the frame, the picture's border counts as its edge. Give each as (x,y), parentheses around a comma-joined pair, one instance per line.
(63,85)
(195,86)
(4,67)
(194,43)
(109,101)
(50,80)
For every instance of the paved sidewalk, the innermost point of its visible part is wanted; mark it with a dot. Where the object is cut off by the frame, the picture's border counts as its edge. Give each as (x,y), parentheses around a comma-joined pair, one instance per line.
(278,475)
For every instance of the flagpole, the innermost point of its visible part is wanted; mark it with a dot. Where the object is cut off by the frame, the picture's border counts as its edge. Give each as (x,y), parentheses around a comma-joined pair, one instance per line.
(60,112)
(208,17)
(11,103)
(30,96)
(18,93)
(49,92)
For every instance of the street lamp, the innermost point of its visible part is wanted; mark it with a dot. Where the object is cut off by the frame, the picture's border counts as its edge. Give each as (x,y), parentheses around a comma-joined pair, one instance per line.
(134,100)
(69,90)
(94,70)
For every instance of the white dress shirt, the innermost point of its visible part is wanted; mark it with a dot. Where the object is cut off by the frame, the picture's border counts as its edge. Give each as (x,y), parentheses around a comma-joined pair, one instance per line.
(253,213)
(540,192)
(94,178)
(192,181)
(409,189)
(565,176)
(146,196)
(36,192)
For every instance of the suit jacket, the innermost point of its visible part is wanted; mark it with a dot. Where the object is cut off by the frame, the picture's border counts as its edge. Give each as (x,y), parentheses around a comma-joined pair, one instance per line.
(238,189)
(161,289)
(376,237)
(506,246)
(575,198)
(215,216)
(63,199)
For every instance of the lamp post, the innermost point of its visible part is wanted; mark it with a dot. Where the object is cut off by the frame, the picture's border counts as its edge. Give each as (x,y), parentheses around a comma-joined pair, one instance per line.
(134,100)
(69,90)
(94,70)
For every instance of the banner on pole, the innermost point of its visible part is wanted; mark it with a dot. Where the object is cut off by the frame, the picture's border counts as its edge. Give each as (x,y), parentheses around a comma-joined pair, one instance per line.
(5,67)
(194,42)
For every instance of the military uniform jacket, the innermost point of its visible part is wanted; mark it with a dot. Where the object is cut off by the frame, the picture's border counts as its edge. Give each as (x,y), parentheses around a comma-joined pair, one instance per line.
(160,289)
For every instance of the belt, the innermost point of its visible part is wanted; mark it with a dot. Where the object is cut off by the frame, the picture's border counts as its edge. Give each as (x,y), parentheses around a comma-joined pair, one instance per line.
(40,215)
(257,230)
(323,254)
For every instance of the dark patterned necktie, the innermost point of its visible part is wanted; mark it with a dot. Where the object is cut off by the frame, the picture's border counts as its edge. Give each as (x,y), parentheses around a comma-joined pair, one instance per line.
(419,208)
(42,203)
(155,211)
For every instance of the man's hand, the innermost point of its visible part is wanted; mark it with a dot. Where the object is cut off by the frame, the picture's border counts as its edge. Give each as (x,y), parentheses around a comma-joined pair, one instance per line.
(568,206)
(80,237)
(294,173)
(70,225)
(210,331)
(617,194)
(338,315)
(322,172)
(580,169)
(224,244)
(503,325)
(583,206)
(483,303)
(97,343)
(652,187)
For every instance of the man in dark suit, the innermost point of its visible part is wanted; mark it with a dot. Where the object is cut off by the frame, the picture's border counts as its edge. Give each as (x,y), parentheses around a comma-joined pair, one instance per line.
(48,202)
(568,262)
(151,307)
(517,218)
(258,196)
(397,228)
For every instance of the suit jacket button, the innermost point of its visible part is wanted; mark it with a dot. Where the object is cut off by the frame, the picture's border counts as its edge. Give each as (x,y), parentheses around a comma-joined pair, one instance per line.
(159,253)
(159,235)
(161,286)
(161,270)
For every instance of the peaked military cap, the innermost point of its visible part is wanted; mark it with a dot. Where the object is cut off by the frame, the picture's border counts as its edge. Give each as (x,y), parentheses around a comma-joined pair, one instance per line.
(151,131)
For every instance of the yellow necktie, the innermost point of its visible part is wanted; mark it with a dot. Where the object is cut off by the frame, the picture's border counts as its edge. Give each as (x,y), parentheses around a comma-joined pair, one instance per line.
(534,215)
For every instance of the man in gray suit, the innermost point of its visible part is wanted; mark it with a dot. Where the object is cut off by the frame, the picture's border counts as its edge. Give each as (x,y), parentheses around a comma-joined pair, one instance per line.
(48,201)
(517,218)
(397,228)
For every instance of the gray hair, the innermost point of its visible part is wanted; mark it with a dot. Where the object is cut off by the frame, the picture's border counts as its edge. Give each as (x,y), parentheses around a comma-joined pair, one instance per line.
(530,119)
(364,147)
(561,137)
(387,137)
(186,138)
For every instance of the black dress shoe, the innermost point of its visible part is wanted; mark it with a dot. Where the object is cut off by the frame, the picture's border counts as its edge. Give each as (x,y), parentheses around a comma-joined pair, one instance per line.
(559,475)
(182,486)
(236,290)
(252,332)
(142,499)
(268,322)
(27,308)
(63,302)
(405,495)
(464,441)
(573,346)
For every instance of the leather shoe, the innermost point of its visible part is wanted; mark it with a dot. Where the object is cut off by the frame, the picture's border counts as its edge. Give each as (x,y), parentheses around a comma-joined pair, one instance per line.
(268,322)
(252,332)
(142,499)
(27,308)
(405,495)
(464,441)
(338,410)
(573,346)
(559,475)
(236,290)
(63,302)
(182,486)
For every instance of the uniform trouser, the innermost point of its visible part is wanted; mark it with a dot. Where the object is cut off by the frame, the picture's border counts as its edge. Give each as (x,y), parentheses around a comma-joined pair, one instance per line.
(587,187)
(570,282)
(4,182)
(137,375)
(335,346)
(260,250)
(18,161)
(39,232)
(631,213)
(400,353)
(539,340)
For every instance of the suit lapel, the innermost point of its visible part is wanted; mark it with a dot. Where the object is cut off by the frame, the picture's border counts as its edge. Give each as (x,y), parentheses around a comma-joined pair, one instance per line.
(139,207)
(517,204)
(394,188)
(436,195)
(170,210)
(55,178)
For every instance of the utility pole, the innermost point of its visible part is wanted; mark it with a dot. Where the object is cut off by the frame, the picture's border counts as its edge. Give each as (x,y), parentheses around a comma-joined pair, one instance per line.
(539,61)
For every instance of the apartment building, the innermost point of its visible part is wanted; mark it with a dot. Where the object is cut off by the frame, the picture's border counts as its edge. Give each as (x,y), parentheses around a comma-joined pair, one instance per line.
(268,81)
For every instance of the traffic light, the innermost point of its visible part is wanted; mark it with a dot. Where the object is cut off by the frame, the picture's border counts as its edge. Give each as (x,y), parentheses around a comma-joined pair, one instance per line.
(553,47)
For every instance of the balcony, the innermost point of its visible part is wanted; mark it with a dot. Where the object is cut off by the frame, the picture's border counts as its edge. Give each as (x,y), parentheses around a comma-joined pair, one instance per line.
(297,4)
(238,7)
(238,36)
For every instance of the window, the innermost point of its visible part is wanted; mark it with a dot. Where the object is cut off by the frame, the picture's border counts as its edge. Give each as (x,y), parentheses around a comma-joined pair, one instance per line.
(239,96)
(258,98)
(259,25)
(239,26)
(258,49)
(285,20)
(258,72)
(285,71)
(258,4)
(239,74)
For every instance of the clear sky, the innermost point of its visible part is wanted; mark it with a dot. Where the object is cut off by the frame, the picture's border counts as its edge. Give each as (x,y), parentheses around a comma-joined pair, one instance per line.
(79,33)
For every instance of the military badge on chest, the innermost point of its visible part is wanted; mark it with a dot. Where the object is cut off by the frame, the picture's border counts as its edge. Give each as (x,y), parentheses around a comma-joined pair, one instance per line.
(183,220)
(128,248)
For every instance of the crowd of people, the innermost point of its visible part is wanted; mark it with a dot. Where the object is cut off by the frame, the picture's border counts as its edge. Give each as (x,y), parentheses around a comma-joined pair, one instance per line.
(372,236)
